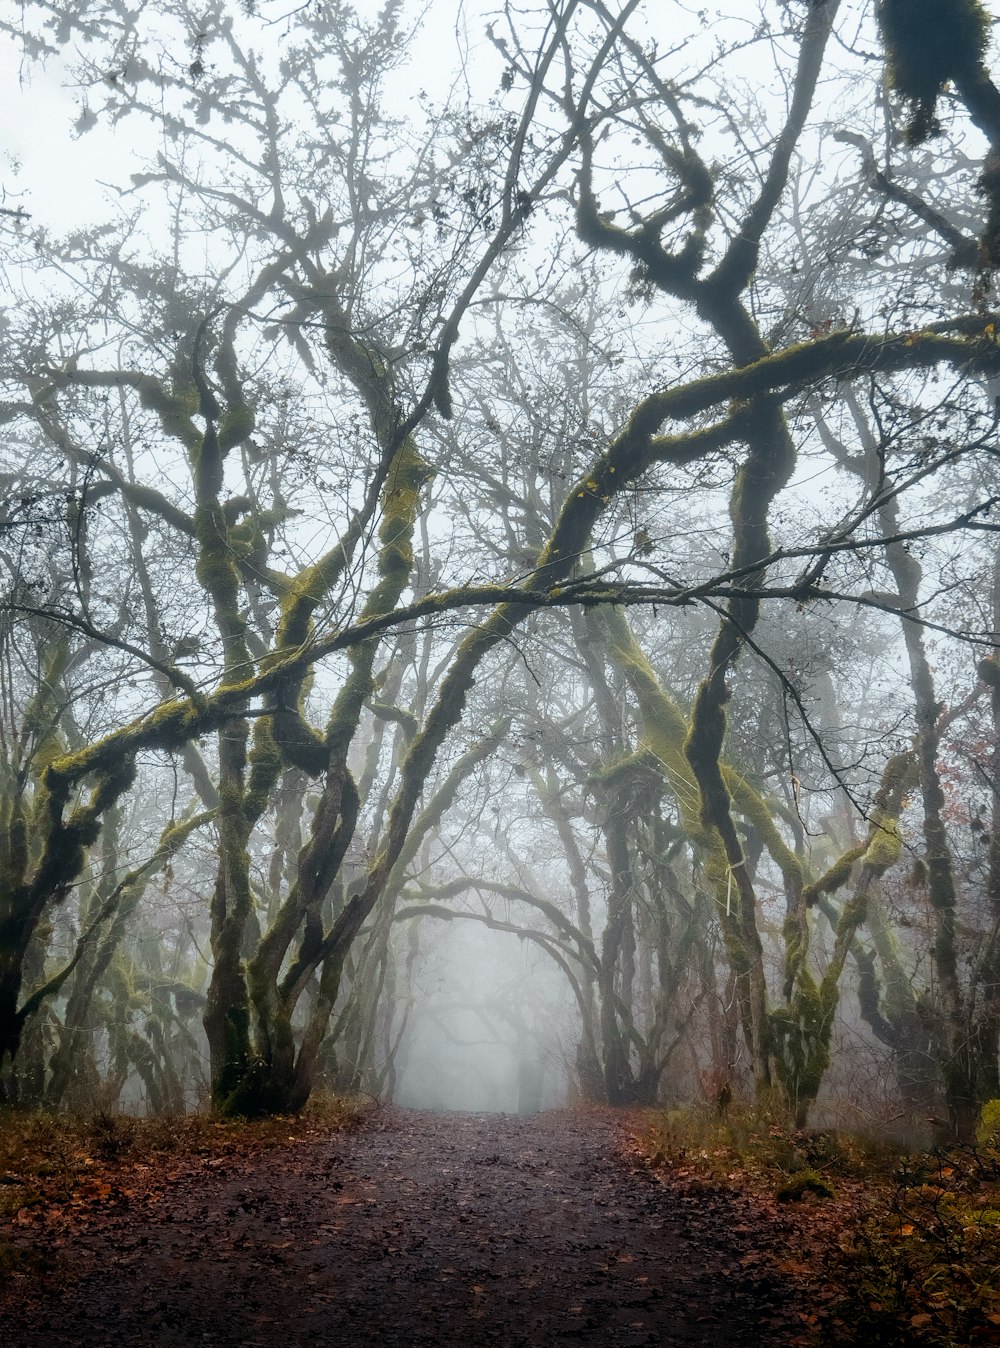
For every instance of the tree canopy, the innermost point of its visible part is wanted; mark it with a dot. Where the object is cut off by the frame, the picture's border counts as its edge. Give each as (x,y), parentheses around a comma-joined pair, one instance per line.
(608,441)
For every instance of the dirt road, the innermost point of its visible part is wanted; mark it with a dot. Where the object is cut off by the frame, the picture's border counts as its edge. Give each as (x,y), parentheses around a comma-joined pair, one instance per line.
(422,1229)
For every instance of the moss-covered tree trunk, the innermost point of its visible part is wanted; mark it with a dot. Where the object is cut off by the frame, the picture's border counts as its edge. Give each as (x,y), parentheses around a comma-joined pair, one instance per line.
(802,1028)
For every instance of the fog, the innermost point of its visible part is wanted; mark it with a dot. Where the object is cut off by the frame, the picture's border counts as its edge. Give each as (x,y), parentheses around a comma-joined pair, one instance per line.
(492,1027)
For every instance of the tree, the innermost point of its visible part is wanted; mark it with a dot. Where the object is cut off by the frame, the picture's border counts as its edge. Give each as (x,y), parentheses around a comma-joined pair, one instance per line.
(259,424)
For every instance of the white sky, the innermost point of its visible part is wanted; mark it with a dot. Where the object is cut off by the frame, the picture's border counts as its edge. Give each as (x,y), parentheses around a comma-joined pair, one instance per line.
(59,176)
(43,169)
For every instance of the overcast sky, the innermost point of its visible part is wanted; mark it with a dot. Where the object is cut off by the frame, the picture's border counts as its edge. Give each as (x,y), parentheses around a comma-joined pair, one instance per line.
(58,175)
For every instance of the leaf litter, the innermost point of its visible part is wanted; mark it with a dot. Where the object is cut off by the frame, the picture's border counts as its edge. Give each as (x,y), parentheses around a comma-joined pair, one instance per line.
(416,1229)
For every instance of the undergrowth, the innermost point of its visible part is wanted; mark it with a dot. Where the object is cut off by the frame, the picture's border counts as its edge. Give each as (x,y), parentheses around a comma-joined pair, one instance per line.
(44,1156)
(926,1259)
(762,1147)
(912,1242)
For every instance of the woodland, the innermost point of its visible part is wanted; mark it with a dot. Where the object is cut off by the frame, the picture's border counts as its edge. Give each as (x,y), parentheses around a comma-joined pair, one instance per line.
(531,467)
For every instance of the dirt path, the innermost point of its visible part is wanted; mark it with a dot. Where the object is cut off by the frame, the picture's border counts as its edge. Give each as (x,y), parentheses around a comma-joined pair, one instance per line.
(435,1229)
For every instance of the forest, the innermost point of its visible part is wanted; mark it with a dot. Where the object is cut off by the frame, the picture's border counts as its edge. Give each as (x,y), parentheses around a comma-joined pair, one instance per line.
(505,490)
(499,672)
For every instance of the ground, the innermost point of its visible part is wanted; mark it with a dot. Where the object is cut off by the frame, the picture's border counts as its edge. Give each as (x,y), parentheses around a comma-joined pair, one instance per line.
(418,1228)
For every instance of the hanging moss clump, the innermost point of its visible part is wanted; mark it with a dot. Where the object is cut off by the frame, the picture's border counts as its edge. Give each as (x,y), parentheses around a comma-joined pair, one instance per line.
(928,44)
(800,1040)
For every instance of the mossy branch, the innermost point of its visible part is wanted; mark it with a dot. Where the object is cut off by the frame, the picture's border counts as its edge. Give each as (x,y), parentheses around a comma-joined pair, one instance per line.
(125,895)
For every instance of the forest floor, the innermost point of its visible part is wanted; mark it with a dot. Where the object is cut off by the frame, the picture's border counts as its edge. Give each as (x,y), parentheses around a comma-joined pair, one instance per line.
(419,1228)
(410,1229)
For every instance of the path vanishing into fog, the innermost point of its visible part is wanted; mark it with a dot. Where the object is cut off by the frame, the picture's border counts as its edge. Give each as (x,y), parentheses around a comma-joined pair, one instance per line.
(420,1229)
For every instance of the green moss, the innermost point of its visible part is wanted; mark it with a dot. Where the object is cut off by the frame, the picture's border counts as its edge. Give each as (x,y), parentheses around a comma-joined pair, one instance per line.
(837,876)
(214,568)
(663,723)
(802,1182)
(301,746)
(800,1040)
(184,393)
(760,812)
(796,948)
(929,43)
(265,762)
(703,746)
(247,543)
(43,707)
(988,1217)
(13,846)
(400,503)
(301,596)
(169,727)
(236,425)
(111,784)
(219,577)
(854,912)
(885,842)
(630,782)
(175,410)
(400,506)
(989,1123)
